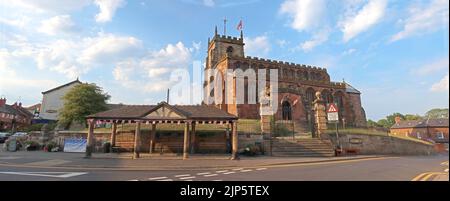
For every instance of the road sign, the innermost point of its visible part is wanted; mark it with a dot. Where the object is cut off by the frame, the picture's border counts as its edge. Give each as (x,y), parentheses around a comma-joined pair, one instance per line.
(332,108)
(332,113)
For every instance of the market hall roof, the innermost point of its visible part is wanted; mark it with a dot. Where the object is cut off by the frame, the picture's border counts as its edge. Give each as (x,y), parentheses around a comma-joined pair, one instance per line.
(164,111)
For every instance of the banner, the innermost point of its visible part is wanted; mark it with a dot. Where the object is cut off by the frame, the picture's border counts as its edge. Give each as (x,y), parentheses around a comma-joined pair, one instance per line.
(75,145)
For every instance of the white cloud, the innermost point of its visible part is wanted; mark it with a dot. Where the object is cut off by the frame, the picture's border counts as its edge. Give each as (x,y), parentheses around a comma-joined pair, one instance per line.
(305,14)
(19,22)
(109,47)
(107,9)
(258,46)
(424,19)
(209,3)
(54,6)
(435,66)
(441,86)
(12,82)
(369,15)
(348,52)
(151,73)
(74,58)
(58,24)
(316,40)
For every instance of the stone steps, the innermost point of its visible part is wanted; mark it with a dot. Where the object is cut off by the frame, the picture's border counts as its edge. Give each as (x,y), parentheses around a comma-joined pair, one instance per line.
(302,148)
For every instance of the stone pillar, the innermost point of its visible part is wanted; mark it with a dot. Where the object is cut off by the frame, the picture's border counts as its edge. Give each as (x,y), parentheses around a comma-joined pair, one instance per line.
(152,138)
(234,143)
(137,140)
(266,129)
(320,116)
(90,139)
(193,139)
(113,135)
(186,141)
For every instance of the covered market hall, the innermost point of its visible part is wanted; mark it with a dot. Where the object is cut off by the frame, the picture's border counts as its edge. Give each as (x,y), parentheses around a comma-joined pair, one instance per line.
(163,113)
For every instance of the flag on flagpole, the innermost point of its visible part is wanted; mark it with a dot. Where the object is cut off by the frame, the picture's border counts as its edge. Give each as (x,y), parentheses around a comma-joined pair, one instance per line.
(240,26)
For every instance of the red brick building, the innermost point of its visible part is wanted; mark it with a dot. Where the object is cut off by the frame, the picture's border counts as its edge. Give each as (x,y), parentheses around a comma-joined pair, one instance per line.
(297,85)
(13,115)
(433,129)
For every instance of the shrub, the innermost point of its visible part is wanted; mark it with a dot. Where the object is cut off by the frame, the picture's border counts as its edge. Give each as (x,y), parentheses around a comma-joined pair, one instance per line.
(50,145)
(252,150)
(31,145)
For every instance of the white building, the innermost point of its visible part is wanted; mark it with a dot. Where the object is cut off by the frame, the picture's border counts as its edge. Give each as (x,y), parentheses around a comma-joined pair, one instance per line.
(52,101)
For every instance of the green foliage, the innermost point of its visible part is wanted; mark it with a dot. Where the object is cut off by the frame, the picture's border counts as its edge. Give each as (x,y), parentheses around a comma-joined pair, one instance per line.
(252,150)
(410,117)
(384,123)
(371,123)
(38,127)
(81,101)
(437,113)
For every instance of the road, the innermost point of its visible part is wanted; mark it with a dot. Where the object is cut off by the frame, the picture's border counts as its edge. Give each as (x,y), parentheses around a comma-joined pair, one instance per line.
(404,168)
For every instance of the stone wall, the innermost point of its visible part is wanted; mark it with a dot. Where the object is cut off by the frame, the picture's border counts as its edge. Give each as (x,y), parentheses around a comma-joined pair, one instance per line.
(377,144)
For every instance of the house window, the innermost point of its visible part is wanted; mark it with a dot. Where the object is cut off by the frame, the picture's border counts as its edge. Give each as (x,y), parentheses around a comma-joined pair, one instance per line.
(419,136)
(440,135)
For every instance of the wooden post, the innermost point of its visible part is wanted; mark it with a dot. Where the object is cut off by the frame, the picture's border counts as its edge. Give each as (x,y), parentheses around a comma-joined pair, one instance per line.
(193,139)
(186,141)
(137,140)
(235,143)
(152,138)
(113,136)
(90,139)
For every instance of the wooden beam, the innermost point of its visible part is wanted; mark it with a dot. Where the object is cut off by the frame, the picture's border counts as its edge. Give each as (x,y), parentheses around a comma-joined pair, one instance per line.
(113,135)
(137,140)
(234,143)
(90,139)
(152,138)
(193,139)
(186,141)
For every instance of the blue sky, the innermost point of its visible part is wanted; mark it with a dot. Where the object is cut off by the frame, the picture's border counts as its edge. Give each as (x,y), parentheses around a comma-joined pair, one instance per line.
(394,51)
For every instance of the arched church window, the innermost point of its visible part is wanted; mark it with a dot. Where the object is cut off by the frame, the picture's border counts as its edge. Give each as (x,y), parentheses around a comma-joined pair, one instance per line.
(286,111)
(310,95)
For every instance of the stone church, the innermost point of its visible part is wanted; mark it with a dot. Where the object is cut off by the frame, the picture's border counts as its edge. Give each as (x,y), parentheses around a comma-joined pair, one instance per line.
(297,85)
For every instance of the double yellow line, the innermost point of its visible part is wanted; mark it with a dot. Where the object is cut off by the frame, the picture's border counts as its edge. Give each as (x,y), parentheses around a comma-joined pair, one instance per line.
(426,176)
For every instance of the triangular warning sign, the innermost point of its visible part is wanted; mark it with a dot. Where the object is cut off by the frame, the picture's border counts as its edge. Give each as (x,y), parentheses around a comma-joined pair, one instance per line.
(332,108)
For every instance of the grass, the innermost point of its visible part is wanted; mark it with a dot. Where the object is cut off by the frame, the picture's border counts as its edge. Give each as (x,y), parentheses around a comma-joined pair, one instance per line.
(358,131)
(362,131)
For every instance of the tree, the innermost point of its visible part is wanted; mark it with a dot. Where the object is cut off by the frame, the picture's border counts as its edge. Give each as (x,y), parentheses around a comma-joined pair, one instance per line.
(410,117)
(371,123)
(81,101)
(390,120)
(384,123)
(437,113)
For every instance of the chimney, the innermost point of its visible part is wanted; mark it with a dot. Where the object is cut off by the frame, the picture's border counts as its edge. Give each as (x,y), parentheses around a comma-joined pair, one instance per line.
(398,120)
(2,102)
(20,104)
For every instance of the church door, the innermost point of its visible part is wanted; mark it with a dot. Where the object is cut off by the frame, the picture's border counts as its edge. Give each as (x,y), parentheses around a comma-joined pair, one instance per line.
(286,111)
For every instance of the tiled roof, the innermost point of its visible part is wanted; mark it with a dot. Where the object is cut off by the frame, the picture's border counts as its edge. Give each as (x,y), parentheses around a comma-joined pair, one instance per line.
(421,123)
(189,111)
(17,111)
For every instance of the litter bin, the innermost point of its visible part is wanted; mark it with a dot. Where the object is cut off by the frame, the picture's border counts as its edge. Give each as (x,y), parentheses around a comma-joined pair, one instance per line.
(12,144)
(106,147)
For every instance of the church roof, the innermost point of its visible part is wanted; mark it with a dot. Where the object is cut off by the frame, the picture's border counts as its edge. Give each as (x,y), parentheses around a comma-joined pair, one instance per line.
(350,89)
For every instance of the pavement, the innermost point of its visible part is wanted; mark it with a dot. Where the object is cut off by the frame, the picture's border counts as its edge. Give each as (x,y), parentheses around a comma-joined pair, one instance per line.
(124,161)
(38,166)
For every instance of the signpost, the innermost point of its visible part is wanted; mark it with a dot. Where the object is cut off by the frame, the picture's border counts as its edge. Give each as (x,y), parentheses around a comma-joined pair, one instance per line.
(333,117)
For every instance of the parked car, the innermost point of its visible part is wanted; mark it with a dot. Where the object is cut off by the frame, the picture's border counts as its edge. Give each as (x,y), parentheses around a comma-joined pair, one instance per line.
(20,135)
(4,137)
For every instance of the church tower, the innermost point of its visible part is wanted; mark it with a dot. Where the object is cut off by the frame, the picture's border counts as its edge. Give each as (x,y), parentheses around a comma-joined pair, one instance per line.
(221,46)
